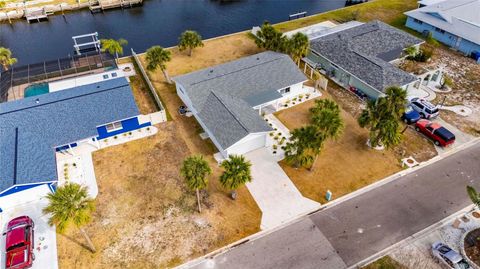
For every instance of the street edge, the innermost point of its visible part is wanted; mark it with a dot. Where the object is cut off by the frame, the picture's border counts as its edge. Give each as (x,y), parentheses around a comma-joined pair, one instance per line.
(335,202)
(412,238)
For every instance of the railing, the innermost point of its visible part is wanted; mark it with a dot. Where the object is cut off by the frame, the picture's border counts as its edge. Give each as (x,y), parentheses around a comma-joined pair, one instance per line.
(149,83)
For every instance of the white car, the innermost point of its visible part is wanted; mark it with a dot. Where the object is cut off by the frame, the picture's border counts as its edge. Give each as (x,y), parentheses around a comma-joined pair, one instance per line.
(448,257)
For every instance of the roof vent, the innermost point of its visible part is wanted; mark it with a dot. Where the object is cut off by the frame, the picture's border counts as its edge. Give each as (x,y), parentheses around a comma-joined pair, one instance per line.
(98,86)
(37,101)
(258,58)
(211,70)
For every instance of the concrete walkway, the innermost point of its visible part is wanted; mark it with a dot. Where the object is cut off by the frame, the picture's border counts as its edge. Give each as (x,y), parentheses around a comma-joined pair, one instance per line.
(363,225)
(278,198)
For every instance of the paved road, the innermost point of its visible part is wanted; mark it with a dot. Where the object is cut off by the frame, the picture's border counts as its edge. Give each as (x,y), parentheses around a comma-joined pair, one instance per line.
(363,225)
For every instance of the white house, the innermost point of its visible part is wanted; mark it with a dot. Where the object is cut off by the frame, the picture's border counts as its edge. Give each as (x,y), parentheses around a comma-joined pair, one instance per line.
(229,99)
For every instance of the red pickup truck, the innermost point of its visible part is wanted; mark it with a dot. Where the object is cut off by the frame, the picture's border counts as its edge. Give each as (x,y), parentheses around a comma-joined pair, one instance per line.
(19,243)
(440,135)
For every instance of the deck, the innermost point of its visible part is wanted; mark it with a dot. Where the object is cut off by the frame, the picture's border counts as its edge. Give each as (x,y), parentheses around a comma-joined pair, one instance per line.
(101,5)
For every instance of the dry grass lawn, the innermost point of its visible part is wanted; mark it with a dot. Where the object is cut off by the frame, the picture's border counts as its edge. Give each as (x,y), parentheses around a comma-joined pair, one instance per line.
(389,11)
(141,93)
(145,216)
(346,164)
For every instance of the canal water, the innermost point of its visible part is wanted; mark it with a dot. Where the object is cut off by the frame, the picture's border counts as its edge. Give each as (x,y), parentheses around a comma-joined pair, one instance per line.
(157,22)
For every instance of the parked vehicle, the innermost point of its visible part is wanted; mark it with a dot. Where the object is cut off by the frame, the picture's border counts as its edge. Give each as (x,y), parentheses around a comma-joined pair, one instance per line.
(440,135)
(426,109)
(410,115)
(448,257)
(19,243)
(182,110)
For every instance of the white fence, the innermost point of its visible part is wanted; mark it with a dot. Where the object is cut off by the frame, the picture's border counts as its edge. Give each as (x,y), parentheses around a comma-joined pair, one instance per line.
(161,115)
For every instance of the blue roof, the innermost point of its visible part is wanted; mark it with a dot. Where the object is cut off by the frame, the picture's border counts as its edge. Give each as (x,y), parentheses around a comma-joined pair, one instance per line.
(32,127)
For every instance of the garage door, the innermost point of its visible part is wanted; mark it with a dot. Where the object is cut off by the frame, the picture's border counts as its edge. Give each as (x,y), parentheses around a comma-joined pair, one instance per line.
(247,144)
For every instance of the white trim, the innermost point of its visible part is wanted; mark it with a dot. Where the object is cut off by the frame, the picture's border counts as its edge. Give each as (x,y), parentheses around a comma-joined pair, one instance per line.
(25,184)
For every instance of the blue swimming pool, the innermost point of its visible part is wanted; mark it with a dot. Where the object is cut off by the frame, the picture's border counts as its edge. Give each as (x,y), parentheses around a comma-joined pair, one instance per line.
(36,89)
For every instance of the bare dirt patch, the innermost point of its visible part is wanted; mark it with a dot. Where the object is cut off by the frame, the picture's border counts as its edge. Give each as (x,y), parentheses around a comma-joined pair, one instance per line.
(145,215)
(348,164)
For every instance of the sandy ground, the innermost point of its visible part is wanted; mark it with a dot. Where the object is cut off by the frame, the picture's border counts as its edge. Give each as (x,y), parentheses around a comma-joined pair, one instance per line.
(465,90)
(145,216)
(348,164)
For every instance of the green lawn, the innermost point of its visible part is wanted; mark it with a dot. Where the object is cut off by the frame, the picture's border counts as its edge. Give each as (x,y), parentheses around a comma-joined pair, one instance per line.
(389,11)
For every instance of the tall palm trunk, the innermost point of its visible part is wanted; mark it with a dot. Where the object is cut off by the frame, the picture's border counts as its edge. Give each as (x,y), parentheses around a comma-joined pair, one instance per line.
(313,163)
(198,201)
(189,52)
(167,77)
(87,238)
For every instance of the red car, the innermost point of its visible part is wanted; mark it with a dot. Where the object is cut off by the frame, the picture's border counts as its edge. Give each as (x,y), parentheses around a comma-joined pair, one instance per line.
(19,243)
(440,135)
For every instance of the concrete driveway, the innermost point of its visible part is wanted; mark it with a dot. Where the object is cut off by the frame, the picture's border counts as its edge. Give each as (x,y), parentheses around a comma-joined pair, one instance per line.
(31,203)
(276,195)
(460,137)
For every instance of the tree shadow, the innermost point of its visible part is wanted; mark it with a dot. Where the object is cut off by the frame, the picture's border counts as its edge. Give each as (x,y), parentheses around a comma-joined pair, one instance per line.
(83,245)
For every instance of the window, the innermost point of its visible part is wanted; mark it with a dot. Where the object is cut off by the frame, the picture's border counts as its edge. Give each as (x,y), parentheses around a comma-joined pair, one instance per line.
(105,76)
(439,30)
(418,105)
(284,91)
(418,21)
(113,126)
(114,75)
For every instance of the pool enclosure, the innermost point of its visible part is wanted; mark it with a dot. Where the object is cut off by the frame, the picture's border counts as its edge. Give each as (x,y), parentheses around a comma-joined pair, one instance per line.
(30,80)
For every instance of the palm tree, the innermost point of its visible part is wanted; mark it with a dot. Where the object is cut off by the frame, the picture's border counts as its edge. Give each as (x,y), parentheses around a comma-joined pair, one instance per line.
(70,204)
(304,146)
(112,46)
(474,196)
(236,174)
(189,40)
(383,125)
(383,117)
(326,117)
(397,100)
(298,46)
(157,57)
(195,170)
(270,39)
(6,59)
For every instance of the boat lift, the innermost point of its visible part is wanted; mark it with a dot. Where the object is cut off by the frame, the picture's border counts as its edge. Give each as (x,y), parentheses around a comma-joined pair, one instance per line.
(86,46)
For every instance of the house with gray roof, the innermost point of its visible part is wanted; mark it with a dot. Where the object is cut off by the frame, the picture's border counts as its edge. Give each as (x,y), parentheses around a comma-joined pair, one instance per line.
(359,58)
(455,23)
(228,100)
(34,128)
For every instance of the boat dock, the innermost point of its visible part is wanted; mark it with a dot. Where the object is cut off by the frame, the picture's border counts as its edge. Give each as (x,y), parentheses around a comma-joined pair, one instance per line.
(36,15)
(101,5)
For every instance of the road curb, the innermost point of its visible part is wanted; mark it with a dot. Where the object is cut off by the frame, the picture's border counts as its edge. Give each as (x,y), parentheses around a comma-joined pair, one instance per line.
(412,238)
(402,173)
(338,201)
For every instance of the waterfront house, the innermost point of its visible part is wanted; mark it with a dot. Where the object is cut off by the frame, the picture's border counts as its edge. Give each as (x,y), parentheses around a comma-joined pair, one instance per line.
(228,100)
(455,23)
(359,57)
(34,128)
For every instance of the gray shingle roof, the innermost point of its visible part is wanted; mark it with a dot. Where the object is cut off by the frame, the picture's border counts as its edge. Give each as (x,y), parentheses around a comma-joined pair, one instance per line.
(230,119)
(224,95)
(459,17)
(365,51)
(249,76)
(32,127)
